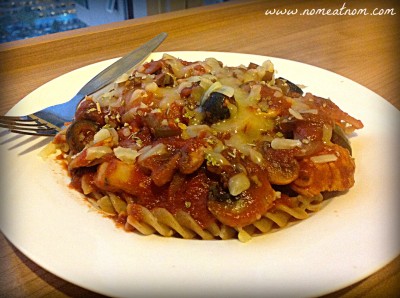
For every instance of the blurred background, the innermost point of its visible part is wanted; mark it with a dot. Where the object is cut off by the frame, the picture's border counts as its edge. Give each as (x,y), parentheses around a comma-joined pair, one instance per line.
(21,19)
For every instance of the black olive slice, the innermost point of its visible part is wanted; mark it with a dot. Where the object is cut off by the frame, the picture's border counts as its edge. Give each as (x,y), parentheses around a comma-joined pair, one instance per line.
(80,133)
(288,87)
(340,138)
(215,108)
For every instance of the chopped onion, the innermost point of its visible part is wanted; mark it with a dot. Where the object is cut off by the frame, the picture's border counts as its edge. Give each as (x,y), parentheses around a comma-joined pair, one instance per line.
(138,93)
(250,75)
(295,114)
(101,135)
(268,65)
(151,87)
(261,70)
(323,158)
(254,95)
(213,63)
(104,134)
(168,56)
(158,149)
(194,79)
(226,90)
(183,85)
(105,98)
(211,89)
(256,156)
(280,143)
(122,78)
(309,111)
(176,65)
(93,153)
(194,130)
(238,183)
(300,106)
(126,155)
(205,83)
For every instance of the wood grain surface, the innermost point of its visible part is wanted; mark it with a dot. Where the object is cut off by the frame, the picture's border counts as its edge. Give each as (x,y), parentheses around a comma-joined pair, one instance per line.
(363,48)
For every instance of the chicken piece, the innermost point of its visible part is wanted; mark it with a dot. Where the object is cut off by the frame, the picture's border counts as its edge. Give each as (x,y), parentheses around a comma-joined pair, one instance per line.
(331,170)
(330,110)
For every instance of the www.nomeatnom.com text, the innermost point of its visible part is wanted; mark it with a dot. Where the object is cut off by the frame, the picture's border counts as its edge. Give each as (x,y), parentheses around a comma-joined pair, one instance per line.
(343,11)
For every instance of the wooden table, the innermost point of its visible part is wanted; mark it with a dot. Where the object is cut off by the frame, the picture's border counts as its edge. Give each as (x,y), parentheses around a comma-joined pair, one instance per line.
(363,48)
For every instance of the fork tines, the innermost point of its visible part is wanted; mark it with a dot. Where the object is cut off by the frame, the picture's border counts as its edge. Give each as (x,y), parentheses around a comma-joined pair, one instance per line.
(26,125)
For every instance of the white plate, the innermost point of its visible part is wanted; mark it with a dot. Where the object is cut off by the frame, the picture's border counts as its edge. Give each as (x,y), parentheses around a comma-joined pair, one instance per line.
(351,238)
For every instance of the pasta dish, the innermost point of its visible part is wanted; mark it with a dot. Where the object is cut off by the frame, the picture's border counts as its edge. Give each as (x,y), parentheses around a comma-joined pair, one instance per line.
(200,150)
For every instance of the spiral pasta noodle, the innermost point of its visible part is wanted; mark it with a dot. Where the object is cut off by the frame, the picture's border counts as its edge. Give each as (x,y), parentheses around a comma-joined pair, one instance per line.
(160,221)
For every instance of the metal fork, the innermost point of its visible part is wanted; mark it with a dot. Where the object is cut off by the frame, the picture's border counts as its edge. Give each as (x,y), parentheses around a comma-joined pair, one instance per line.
(49,121)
